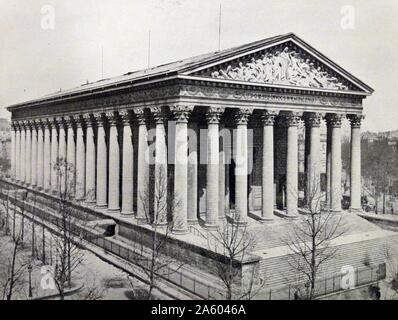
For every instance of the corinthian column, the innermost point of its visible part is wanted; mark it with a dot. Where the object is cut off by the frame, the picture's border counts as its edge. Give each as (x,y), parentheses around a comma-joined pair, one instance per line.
(17,152)
(268,121)
(180,218)
(28,154)
(71,158)
(40,156)
(101,162)
(80,160)
(54,156)
(213,116)
(292,120)
(142,167)
(335,170)
(355,181)
(13,135)
(47,158)
(34,155)
(114,163)
(193,172)
(161,195)
(62,153)
(127,165)
(90,161)
(314,194)
(22,160)
(241,165)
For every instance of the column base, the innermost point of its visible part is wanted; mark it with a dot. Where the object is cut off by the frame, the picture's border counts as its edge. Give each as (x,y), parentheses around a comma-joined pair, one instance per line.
(141,220)
(180,231)
(193,222)
(127,213)
(211,227)
(335,210)
(266,220)
(240,223)
(101,206)
(356,210)
(113,210)
(90,203)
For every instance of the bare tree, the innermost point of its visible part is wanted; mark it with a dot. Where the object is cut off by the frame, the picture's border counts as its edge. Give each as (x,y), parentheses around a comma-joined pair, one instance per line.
(14,267)
(234,242)
(153,258)
(309,240)
(68,254)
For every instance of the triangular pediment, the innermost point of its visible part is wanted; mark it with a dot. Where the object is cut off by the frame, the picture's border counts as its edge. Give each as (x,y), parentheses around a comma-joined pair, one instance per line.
(286,64)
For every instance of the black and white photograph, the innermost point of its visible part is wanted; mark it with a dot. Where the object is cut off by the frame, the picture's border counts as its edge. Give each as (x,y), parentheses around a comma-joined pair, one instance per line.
(215,151)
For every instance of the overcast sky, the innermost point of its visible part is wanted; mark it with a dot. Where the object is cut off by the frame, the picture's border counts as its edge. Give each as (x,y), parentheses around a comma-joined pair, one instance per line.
(36,61)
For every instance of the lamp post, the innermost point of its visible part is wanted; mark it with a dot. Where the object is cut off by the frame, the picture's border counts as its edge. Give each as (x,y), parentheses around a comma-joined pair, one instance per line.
(30,280)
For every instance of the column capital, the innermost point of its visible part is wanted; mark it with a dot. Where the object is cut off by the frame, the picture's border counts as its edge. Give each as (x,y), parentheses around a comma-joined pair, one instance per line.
(334,120)
(213,114)
(98,118)
(60,121)
(78,120)
(45,123)
(159,114)
(292,119)
(112,117)
(125,116)
(181,113)
(242,115)
(88,119)
(268,117)
(355,120)
(26,124)
(313,119)
(14,125)
(140,115)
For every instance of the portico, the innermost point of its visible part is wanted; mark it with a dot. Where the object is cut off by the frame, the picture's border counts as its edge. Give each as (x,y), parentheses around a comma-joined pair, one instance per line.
(260,93)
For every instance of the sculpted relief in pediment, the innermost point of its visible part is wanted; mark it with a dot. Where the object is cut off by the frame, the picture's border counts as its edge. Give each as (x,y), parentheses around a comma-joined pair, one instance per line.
(285,65)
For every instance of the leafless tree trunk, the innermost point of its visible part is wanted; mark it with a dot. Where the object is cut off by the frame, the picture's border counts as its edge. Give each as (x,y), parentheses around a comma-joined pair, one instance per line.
(153,259)
(309,239)
(234,242)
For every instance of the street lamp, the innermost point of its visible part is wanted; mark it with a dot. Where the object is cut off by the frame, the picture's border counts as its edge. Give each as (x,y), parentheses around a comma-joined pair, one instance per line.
(30,280)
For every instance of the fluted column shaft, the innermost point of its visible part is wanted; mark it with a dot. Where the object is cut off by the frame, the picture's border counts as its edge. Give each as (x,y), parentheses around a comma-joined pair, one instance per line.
(28,155)
(54,157)
(102,180)
(335,182)
(90,188)
(114,164)
(212,173)
(47,158)
(143,193)
(18,153)
(314,193)
(22,160)
(328,163)
(221,179)
(268,120)
(71,158)
(193,173)
(40,156)
(13,135)
(127,165)
(80,160)
(34,156)
(355,177)
(180,218)
(62,156)
(241,165)
(292,120)
(161,195)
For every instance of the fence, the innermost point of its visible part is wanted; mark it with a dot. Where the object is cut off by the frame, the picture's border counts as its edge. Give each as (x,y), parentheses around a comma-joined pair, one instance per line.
(328,285)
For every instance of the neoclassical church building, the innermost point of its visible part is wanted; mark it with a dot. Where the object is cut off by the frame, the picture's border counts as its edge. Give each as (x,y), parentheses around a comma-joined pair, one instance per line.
(223,127)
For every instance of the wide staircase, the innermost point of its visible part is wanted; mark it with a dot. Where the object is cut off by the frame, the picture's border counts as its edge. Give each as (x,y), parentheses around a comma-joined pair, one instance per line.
(362,244)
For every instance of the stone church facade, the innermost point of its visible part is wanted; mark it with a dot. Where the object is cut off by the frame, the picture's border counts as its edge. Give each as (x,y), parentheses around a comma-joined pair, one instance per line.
(243,108)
